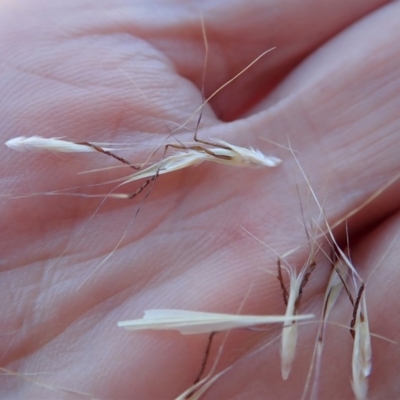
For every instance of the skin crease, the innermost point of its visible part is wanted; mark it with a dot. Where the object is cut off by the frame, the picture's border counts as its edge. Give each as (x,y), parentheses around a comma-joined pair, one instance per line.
(129,72)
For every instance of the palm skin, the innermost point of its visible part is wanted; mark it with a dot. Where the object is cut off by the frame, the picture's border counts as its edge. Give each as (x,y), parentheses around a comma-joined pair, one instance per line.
(122,72)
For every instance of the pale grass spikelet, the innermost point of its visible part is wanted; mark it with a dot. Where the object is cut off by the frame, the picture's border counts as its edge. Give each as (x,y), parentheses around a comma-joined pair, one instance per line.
(362,353)
(297,283)
(332,293)
(292,298)
(334,287)
(289,332)
(196,322)
(38,143)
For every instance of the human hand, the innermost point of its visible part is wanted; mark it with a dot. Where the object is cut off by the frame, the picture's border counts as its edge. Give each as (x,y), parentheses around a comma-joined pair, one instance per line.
(117,72)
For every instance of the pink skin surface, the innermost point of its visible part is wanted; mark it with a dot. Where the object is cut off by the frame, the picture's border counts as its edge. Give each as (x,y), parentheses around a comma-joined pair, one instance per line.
(129,72)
